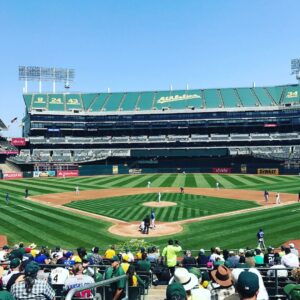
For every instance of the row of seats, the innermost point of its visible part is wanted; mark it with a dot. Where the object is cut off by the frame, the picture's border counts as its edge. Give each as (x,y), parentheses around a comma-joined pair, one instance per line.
(167,138)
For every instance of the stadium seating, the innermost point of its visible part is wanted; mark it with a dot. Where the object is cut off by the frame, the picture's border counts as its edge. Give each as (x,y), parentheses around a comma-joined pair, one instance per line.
(247,98)
(212,98)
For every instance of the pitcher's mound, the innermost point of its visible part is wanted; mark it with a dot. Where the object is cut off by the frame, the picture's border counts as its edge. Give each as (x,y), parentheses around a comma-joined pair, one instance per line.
(132,229)
(159,204)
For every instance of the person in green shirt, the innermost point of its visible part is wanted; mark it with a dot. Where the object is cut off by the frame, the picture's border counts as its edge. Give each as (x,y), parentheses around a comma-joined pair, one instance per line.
(114,271)
(170,255)
(143,264)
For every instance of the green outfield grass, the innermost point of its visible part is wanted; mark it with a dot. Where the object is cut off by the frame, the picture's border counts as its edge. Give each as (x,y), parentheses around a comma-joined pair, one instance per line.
(131,208)
(26,221)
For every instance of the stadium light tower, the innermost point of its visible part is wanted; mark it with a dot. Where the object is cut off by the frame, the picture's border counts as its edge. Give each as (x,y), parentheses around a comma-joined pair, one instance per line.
(40,74)
(295,67)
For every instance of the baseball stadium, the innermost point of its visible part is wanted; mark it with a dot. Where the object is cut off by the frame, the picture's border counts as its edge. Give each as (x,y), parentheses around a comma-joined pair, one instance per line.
(91,166)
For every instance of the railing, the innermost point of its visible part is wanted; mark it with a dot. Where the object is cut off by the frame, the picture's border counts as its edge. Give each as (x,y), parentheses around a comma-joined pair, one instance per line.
(93,286)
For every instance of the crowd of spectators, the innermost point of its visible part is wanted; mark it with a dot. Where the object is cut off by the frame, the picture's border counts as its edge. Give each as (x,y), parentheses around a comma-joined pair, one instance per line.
(30,273)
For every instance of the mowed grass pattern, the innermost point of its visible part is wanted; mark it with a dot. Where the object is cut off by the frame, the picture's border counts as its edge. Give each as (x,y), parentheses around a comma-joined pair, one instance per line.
(131,208)
(26,221)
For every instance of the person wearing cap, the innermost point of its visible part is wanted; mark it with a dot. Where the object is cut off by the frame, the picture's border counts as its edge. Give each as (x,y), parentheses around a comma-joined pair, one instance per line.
(4,253)
(114,271)
(202,259)
(14,268)
(79,280)
(31,287)
(175,291)
(290,260)
(216,255)
(269,256)
(281,269)
(232,260)
(190,283)
(293,249)
(247,285)
(169,254)
(125,264)
(221,284)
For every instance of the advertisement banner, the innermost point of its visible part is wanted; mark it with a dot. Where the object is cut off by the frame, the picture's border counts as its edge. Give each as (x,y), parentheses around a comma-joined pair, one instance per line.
(14,175)
(221,170)
(9,152)
(67,173)
(18,142)
(268,171)
(44,173)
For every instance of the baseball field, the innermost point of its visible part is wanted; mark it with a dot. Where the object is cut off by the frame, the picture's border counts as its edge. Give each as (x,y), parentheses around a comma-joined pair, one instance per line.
(108,210)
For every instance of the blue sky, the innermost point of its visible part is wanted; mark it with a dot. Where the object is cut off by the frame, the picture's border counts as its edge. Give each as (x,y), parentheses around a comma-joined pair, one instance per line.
(134,45)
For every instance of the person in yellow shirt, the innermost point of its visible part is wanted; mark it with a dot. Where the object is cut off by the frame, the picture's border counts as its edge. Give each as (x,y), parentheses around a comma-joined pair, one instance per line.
(170,255)
(111,252)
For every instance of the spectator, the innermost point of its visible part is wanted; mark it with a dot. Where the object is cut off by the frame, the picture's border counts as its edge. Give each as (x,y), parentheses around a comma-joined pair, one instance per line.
(175,291)
(4,253)
(293,249)
(269,256)
(143,264)
(114,271)
(249,258)
(190,284)
(5,295)
(293,290)
(95,258)
(14,269)
(125,264)
(188,261)
(140,252)
(221,285)
(283,273)
(111,252)
(232,260)
(247,285)
(31,287)
(258,257)
(133,278)
(170,255)
(216,255)
(202,259)
(79,280)
(290,260)
(282,251)
(153,255)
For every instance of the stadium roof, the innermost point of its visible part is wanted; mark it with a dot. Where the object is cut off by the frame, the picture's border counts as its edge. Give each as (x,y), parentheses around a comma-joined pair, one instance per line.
(164,100)
(2,125)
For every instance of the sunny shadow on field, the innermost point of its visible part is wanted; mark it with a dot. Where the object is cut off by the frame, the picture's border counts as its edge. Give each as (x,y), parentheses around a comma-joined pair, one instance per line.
(130,208)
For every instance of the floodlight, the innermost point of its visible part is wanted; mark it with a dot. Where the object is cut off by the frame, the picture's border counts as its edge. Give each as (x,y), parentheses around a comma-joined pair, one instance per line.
(40,74)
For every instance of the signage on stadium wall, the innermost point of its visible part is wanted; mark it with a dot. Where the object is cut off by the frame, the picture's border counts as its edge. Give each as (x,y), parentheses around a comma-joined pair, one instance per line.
(268,171)
(8,152)
(44,173)
(14,175)
(18,142)
(178,98)
(115,170)
(67,173)
(221,170)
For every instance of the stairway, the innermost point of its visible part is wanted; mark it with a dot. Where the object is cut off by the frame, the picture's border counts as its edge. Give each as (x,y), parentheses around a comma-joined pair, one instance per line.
(157,293)
(8,167)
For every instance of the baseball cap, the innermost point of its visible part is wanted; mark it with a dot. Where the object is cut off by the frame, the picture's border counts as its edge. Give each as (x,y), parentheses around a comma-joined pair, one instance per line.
(292,245)
(15,262)
(247,284)
(32,268)
(175,291)
(5,247)
(115,258)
